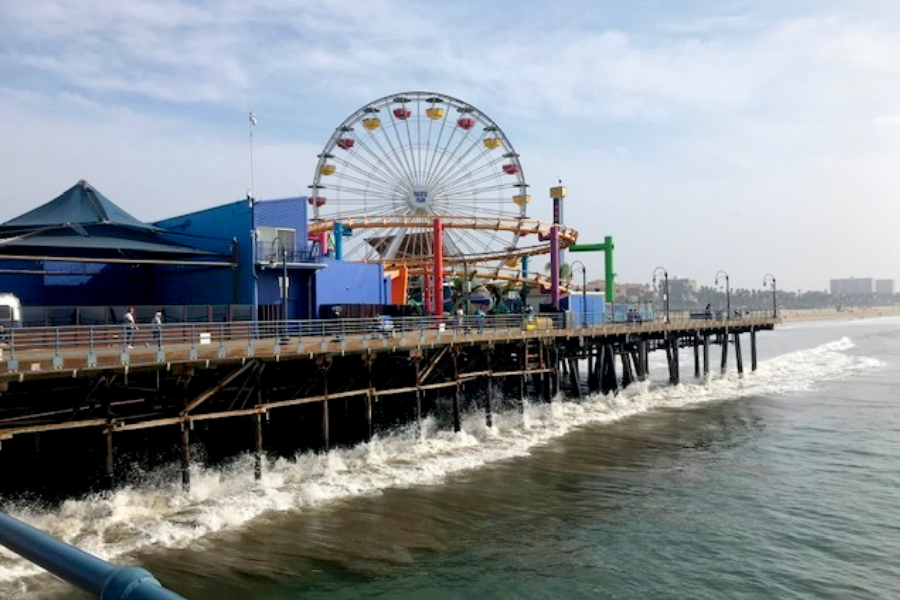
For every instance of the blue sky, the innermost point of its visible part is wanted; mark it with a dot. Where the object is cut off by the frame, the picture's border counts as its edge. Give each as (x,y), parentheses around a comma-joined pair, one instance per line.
(752,137)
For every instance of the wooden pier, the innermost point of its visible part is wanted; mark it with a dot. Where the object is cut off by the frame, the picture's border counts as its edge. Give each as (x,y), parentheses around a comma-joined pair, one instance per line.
(79,404)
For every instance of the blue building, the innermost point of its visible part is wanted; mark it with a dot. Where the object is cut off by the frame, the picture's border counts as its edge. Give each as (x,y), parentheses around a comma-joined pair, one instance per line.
(243,260)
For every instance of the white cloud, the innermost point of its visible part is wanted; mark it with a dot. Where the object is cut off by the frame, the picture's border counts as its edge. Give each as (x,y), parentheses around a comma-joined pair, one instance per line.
(712,115)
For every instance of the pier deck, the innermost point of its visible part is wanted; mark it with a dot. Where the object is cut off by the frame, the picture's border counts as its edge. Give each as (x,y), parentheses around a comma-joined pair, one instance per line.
(76,380)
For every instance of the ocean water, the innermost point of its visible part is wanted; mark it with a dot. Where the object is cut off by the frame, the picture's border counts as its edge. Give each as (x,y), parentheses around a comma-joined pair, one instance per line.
(782,484)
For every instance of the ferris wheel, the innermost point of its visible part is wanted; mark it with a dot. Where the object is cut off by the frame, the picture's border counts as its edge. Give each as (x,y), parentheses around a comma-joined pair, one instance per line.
(399,162)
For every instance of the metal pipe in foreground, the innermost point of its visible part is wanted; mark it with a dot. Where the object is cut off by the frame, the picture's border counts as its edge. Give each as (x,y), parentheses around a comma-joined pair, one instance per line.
(85,571)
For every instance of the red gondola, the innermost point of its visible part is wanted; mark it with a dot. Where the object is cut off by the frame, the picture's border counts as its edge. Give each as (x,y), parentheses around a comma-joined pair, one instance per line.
(345,143)
(316,200)
(466,123)
(402,113)
(510,168)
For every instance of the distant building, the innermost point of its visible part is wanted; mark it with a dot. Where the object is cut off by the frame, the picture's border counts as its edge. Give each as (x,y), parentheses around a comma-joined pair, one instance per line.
(632,292)
(683,291)
(625,292)
(854,286)
(884,287)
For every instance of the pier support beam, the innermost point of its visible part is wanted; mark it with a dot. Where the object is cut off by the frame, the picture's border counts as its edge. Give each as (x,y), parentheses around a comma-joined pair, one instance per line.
(674,362)
(489,395)
(627,370)
(593,369)
(706,354)
(523,363)
(370,361)
(724,338)
(323,364)
(258,446)
(573,377)
(697,355)
(185,456)
(608,380)
(553,351)
(752,348)
(110,463)
(739,359)
(457,391)
(416,374)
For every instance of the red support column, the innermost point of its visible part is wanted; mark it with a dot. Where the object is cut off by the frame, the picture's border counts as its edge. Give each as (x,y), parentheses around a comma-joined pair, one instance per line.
(438,245)
(554,266)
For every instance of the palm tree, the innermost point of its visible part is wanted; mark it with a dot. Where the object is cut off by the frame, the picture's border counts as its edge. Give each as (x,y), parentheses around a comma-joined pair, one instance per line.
(458,292)
(565,271)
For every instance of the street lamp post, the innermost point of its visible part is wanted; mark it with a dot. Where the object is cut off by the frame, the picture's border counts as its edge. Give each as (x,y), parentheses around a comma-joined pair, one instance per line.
(666,278)
(578,263)
(466,288)
(774,293)
(284,277)
(727,293)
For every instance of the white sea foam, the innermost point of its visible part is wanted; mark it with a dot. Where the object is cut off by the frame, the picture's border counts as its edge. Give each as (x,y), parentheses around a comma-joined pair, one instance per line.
(133,519)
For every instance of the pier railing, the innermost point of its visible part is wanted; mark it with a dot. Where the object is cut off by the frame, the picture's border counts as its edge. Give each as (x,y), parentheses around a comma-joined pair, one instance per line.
(93,338)
(93,575)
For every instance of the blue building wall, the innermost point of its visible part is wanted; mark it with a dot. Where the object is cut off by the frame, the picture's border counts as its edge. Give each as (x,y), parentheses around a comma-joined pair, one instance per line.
(350,283)
(221,230)
(285,212)
(58,283)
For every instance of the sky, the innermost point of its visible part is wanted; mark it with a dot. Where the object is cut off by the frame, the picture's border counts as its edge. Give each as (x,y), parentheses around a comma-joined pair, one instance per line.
(703,135)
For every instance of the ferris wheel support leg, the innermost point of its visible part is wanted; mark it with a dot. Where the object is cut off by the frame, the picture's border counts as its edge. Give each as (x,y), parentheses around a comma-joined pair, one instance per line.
(438,245)
(554,266)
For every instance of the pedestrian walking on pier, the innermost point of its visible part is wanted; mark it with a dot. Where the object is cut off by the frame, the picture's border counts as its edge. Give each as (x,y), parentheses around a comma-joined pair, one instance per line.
(130,328)
(479,319)
(156,324)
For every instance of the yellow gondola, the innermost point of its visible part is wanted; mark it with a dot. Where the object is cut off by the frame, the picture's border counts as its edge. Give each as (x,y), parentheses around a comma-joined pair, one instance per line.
(371,123)
(512,262)
(521,200)
(435,113)
(327,169)
(492,143)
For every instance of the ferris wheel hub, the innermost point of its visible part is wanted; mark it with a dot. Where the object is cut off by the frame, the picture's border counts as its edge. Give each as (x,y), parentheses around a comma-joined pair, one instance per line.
(419,198)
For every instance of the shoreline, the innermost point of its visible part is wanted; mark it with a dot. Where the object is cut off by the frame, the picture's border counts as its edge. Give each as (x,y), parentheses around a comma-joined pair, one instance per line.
(793,315)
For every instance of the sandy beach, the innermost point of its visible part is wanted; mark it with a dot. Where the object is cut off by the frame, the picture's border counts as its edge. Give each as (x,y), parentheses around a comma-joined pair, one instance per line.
(846,313)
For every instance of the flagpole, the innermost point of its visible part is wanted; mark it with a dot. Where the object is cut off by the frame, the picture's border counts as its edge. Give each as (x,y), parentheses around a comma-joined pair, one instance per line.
(252,122)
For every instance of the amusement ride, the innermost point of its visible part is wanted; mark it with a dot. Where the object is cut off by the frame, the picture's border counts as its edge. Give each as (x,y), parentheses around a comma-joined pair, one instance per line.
(427,184)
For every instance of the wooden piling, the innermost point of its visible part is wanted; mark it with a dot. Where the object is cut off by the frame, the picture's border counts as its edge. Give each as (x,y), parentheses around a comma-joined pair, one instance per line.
(489,395)
(645,358)
(258,446)
(697,355)
(415,362)
(185,457)
(608,380)
(523,358)
(674,361)
(573,377)
(326,441)
(110,464)
(627,371)
(593,368)
(705,354)
(724,346)
(752,348)
(738,358)
(457,391)
(370,361)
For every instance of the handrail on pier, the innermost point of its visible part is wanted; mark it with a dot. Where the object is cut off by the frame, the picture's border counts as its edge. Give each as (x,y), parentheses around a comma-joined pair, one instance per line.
(95,576)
